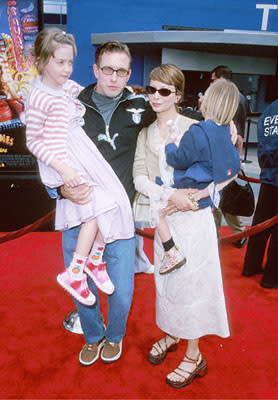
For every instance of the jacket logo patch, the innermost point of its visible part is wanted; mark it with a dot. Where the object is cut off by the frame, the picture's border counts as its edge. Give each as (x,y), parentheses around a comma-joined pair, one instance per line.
(106,136)
(136,114)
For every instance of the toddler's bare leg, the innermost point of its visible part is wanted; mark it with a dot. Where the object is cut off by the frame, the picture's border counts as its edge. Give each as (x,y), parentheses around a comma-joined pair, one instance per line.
(86,237)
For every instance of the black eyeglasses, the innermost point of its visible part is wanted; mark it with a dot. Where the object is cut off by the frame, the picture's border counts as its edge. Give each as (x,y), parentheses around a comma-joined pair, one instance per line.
(163,92)
(121,72)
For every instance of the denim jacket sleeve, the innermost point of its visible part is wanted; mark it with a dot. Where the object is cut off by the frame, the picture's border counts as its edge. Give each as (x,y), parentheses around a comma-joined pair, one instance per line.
(53,193)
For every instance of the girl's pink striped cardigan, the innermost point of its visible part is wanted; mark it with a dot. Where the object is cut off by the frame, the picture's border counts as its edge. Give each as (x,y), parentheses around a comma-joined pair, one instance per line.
(47,119)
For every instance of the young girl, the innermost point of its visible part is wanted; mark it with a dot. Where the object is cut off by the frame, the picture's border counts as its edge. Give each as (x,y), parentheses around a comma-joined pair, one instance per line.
(67,156)
(190,303)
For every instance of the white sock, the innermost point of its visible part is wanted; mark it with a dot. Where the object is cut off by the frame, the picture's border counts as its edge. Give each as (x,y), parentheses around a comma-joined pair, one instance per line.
(95,256)
(77,265)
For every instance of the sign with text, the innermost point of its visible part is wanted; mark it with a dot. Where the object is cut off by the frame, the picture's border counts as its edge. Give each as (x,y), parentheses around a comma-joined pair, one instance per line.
(18,29)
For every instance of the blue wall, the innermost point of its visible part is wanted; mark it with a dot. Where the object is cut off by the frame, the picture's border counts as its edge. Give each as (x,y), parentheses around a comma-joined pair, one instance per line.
(98,16)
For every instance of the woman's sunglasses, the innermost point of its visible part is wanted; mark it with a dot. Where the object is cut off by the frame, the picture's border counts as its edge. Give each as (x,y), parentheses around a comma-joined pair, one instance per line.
(163,92)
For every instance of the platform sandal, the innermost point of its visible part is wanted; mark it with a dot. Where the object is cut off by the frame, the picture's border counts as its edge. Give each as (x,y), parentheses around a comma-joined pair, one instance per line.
(188,376)
(162,348)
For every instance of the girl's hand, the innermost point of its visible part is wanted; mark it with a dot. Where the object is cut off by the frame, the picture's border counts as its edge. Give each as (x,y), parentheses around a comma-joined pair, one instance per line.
(69,176)
(174,134)
(165,211)
(234,134)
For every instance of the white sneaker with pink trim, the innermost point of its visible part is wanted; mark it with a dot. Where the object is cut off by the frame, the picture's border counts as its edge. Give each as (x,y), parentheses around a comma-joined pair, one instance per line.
(173,259)
(77,286)
(99,275)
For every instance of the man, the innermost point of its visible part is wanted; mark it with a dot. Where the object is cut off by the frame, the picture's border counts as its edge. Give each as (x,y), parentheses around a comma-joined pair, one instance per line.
(233,221)
(114,116)
(267,206)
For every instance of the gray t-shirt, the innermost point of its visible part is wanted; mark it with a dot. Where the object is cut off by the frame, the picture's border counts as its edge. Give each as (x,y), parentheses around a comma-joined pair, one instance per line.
(106,105)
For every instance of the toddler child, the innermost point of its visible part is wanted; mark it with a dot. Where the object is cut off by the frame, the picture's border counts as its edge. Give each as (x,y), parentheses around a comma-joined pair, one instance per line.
(185,165)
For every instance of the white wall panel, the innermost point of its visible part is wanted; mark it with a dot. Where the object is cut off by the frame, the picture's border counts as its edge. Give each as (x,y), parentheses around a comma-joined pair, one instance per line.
(202,61)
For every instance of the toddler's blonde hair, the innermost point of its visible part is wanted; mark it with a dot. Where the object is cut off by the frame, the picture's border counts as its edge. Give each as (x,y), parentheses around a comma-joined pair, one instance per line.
(220,101)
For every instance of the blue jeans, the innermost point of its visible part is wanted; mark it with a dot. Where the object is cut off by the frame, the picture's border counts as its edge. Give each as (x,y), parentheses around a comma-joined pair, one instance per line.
(120,261)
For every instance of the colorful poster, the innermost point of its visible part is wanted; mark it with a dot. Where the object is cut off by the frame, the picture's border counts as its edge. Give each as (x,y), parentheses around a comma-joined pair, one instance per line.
(18,29)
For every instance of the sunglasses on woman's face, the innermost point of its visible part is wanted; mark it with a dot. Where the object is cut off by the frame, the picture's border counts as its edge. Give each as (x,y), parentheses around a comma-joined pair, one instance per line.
(163,92)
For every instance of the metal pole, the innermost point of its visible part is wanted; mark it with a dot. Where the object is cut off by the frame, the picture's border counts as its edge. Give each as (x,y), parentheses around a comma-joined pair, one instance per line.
(247,142)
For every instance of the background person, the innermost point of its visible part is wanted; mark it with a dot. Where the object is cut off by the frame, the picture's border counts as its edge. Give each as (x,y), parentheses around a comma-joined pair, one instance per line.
(267,205)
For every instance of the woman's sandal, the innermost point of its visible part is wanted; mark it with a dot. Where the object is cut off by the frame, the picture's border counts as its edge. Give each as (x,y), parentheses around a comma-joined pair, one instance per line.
(162,348)
(188,376)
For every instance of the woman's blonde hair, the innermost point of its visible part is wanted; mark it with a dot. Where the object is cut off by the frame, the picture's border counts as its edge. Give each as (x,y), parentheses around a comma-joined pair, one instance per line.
(169,74)
(47,41)
(220,102)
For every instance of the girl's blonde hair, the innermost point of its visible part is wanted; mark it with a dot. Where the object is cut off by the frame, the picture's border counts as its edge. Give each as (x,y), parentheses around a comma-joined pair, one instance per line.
(220,102)
(171,75)
(47,41)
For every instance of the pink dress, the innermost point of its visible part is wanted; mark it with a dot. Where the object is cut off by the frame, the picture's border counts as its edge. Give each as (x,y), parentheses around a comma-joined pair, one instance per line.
(110,204)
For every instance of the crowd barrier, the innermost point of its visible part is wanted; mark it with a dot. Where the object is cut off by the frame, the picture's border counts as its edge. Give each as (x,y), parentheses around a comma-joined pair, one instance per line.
(150,235)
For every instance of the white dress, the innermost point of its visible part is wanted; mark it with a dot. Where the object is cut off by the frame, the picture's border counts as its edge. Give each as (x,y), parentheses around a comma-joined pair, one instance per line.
(190,301)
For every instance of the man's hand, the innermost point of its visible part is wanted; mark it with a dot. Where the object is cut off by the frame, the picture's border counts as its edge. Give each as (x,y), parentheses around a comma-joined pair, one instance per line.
(179,201)
(78,194)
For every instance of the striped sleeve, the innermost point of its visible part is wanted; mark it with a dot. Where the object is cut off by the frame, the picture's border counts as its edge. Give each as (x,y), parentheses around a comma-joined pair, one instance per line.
(38,107)
(73,88)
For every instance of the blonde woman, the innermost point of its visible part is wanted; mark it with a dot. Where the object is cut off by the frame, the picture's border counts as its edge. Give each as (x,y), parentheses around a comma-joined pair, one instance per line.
(189,301)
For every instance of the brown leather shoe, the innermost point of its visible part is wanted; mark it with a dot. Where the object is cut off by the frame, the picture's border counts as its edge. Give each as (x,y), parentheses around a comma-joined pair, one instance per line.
(90,352)
(111,351)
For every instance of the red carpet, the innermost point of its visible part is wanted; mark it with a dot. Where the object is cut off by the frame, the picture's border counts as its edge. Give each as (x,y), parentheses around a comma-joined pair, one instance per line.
(39,358)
